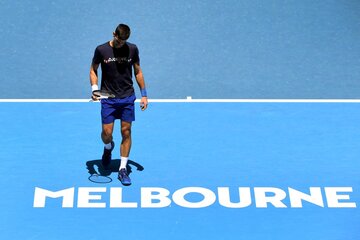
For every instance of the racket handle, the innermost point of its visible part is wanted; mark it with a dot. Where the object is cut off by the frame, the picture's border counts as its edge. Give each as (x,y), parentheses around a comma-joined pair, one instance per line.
(98,99)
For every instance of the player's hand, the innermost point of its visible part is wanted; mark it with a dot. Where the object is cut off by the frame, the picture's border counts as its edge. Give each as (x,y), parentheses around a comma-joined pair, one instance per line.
(143,103)
(94,98)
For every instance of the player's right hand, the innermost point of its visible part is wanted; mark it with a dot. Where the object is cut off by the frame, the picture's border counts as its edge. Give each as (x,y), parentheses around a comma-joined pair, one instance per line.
(94,98)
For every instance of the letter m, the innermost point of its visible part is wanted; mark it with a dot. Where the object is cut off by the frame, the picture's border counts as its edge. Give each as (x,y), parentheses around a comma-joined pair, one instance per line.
(41,195)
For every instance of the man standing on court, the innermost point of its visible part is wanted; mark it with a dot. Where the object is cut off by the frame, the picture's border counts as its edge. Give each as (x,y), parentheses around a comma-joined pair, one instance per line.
(118,58)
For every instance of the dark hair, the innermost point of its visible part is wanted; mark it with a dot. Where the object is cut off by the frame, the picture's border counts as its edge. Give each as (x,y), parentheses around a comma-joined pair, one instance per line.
(122,31)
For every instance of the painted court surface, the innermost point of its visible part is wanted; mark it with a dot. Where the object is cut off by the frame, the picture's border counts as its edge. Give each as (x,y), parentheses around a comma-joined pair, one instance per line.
(247,49)
(51,145)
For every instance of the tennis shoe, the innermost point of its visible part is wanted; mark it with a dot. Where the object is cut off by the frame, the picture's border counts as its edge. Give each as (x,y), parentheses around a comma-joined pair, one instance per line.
(123,177)
(106,157)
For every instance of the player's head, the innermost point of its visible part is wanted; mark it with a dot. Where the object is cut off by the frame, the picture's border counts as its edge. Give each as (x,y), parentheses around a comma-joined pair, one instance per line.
(122,32)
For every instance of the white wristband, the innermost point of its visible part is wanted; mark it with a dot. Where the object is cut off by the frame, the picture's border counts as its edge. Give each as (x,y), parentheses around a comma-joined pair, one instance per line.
(94,87)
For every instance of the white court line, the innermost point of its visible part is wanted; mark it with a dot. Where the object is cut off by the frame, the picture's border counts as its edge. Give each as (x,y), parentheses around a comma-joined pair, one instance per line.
(258,100)
(191,100)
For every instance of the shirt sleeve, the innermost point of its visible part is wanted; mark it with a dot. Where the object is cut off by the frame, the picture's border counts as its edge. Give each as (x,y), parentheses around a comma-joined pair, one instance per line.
(97,57)
(136,58)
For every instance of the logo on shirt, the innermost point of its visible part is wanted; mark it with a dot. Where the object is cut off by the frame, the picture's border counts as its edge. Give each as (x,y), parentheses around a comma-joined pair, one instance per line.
(118,60)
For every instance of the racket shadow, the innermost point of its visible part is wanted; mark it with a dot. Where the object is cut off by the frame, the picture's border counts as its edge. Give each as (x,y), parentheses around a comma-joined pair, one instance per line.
(96,167)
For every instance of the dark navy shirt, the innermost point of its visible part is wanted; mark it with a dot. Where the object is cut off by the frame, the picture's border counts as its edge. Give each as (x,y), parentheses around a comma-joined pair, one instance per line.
(116,67)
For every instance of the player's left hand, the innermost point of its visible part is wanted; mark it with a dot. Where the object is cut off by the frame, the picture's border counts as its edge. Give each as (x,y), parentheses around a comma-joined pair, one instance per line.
(143,103)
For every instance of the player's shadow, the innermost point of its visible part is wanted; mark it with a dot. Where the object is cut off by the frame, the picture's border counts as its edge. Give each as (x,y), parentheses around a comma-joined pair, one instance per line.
(96,167)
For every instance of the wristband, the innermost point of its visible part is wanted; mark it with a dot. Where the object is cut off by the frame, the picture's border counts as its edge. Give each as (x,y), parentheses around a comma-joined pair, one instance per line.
(143,92)
(94,87)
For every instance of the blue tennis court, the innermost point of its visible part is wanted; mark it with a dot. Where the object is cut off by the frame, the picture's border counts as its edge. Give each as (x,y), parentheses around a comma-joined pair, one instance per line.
(183,153)
(217,169)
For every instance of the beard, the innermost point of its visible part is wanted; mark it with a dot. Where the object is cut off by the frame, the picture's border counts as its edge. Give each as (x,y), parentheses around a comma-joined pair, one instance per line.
(118,44)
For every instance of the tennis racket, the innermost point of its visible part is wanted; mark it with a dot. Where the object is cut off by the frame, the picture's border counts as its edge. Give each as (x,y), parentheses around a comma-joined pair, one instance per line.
(103,94)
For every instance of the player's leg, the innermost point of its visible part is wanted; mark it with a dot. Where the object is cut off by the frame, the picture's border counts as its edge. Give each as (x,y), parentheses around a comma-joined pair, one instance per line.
(107,138)
(107,118)
(125,151)
(127,117)
(107,133)
(126,139)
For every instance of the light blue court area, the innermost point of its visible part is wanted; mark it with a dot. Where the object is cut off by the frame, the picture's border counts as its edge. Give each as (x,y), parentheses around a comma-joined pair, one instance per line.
(188,159)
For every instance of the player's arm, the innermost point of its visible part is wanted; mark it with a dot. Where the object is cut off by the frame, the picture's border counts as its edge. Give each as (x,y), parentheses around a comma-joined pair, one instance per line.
(141,82)
(94,78)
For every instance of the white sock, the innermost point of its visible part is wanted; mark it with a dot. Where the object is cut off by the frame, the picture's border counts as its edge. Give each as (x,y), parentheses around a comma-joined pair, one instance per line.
(108,146)
(123,162)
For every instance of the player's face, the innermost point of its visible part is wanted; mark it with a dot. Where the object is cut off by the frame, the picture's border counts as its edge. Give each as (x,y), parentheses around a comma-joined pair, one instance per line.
(118,43)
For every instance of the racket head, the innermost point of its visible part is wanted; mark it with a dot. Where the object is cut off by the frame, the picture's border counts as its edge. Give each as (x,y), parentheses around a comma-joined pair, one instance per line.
(103,94)
(96,178)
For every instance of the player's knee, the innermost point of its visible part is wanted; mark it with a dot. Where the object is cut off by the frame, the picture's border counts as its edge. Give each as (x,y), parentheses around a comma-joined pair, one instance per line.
(106,134)
(126,132)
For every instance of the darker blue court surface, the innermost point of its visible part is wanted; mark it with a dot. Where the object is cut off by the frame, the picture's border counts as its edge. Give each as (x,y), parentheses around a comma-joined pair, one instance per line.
(201,48)
(54,146)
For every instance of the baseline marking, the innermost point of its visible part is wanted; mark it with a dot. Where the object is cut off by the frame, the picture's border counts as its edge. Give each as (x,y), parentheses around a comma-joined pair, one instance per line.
(191,100)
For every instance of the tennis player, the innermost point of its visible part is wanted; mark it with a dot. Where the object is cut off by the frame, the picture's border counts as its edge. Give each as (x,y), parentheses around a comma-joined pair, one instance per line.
(118,59)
